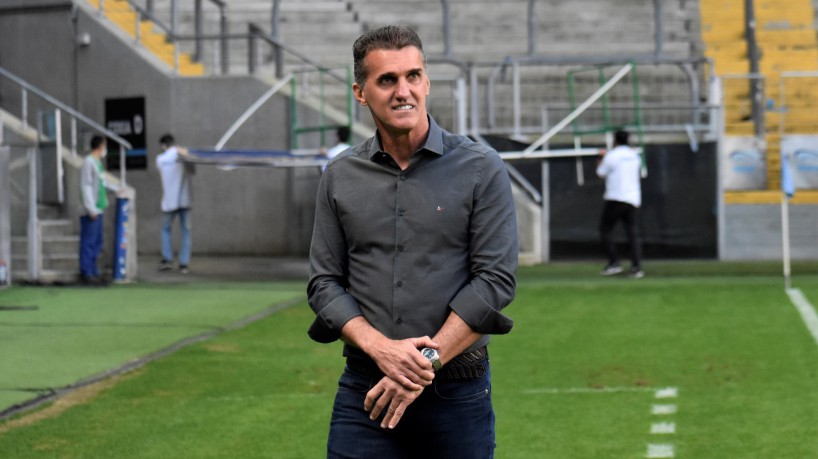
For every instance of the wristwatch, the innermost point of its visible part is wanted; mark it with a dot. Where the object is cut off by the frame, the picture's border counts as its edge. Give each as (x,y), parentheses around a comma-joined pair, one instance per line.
(433,357)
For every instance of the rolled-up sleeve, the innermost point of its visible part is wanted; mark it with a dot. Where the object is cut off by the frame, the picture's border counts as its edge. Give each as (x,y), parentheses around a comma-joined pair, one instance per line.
(493,253)
(327,290)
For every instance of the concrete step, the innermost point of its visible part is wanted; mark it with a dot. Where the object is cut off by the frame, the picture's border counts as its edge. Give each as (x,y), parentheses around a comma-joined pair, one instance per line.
(47,276)
(56,227)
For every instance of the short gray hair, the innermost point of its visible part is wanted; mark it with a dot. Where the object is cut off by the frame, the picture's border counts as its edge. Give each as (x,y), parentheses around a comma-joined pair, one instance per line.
(388,37)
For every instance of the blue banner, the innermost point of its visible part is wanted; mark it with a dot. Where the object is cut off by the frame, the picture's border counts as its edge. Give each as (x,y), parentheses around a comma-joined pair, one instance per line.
(121,239)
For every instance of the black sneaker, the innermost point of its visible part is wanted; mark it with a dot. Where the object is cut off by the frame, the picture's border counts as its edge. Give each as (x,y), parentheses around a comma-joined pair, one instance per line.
(165,265)
(636,273)
(183,269)
(611,269)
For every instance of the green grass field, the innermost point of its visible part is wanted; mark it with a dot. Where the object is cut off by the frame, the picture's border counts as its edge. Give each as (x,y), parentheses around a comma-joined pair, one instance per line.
(714,352)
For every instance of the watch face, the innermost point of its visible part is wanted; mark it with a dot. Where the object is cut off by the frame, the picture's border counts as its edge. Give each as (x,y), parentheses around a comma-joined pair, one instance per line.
(433,357)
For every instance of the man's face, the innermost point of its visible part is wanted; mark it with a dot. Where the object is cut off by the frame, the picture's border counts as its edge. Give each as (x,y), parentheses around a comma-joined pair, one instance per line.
(395,90)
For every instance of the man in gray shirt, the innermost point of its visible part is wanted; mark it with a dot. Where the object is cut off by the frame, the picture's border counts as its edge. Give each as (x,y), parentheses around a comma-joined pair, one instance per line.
(413,257)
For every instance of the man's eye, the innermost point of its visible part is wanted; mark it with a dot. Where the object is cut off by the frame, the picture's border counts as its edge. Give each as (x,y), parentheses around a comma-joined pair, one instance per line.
(387,80)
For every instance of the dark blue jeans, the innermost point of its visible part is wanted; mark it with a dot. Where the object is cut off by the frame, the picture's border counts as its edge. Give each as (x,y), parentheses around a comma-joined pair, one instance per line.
(90,245)
(451,419)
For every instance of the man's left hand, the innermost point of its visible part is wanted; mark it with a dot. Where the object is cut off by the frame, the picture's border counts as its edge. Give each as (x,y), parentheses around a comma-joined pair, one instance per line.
(392,396)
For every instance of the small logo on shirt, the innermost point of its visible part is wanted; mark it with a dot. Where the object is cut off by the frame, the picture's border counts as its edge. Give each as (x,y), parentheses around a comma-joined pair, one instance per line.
(440,209)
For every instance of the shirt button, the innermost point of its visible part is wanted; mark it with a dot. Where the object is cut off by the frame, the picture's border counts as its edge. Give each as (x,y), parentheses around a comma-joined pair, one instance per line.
(399,284)
(398,321)
(403,177)
(401,212)
(401,248)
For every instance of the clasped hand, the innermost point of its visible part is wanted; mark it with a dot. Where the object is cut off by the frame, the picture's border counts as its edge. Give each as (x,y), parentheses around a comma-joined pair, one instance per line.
(407,374)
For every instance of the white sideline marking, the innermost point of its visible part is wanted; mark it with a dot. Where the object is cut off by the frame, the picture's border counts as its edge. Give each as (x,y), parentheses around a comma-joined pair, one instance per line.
(664,409)
(660,451)
(806,309)
(662,428)
(668,392)
(586,390)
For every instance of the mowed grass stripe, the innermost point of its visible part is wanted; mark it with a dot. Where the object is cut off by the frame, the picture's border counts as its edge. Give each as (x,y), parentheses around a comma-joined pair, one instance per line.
(76,333)
(733,345)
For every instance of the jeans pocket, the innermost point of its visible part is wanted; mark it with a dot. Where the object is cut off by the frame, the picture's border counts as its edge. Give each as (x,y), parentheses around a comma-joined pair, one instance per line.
(352,381)
(463,389)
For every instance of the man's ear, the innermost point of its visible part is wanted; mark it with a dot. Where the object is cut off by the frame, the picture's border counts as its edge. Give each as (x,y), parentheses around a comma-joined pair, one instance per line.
(358,93)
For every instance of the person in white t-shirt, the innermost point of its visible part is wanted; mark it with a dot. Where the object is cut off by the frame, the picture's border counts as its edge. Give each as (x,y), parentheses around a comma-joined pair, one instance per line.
(621,169)
(342,134)
(175,203)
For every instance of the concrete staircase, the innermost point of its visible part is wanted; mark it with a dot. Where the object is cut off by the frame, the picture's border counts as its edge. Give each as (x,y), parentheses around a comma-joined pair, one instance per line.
(57,224)
(482,31)
(124,16)
(59,250)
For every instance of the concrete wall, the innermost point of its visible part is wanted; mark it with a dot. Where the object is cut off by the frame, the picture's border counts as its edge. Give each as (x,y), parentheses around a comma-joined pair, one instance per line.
(753,232)
(246,211)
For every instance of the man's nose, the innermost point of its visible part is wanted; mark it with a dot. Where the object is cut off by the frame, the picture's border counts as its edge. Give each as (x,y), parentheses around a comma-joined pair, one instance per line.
(402,88)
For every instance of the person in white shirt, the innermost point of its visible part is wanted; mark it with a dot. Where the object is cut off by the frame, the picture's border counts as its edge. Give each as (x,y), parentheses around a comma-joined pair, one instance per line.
(342,136)
(621,169)
(175,203)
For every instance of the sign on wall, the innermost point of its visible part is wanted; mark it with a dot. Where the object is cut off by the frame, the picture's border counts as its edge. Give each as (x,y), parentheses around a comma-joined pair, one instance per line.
(743,164)
(126,118)
(803,154)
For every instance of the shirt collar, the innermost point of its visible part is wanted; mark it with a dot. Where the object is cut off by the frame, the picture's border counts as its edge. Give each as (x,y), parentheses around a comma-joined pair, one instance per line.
(433,144)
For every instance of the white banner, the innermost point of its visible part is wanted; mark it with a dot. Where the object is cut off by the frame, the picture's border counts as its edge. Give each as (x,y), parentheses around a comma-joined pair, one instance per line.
(803,154)
(742,164)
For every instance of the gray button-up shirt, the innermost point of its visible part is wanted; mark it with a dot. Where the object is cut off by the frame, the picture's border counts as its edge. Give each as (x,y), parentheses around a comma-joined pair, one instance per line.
(404,248)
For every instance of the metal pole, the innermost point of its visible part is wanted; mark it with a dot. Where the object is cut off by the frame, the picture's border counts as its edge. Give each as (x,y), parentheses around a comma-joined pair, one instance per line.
(460,91)
(277,55)
(756,92)
(33,223)
(658,28)
(532,29)
(174,10)
(5,209)
(58,152)
(197,30)
(73,137)
(251,49)
(149,7)
(517,99)
(122,182)
(24,108)
(475,100)
(447,29)
(225,49)
(785,236)
(137,29)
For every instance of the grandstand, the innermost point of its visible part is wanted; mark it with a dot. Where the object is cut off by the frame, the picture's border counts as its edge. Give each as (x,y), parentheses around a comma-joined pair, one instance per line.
(503,72)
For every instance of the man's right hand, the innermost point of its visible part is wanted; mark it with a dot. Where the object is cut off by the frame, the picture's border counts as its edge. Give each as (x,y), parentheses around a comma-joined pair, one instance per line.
(402,361)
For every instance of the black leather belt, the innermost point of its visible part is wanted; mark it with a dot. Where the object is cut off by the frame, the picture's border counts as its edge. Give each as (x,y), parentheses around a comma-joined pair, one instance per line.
(467,365)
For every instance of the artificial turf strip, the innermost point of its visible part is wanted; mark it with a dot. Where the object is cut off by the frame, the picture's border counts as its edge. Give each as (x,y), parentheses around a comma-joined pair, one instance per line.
(262,391)
(736,349)
(76,333)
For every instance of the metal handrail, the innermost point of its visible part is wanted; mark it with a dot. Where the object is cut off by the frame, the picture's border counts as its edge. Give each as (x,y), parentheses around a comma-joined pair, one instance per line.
(256,31)
(170,31)
(75,115)
(65,107)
